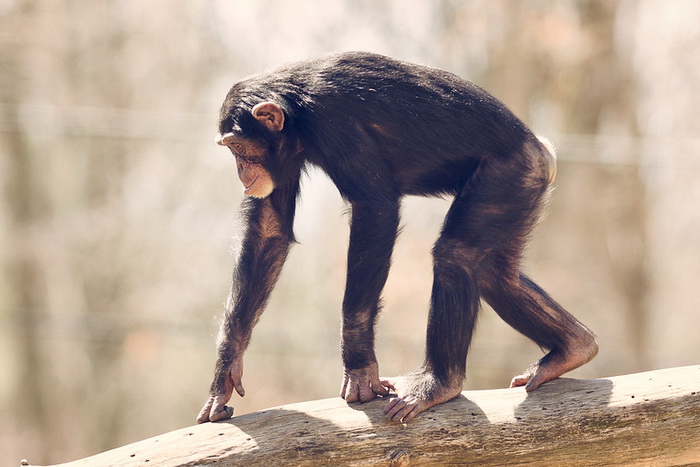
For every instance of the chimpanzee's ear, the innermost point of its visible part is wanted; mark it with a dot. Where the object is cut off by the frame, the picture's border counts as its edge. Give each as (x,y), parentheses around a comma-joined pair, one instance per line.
(270,115)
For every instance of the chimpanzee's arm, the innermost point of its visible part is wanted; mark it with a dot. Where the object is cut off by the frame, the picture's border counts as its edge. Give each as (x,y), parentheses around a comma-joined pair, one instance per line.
(372,235)
(264,250)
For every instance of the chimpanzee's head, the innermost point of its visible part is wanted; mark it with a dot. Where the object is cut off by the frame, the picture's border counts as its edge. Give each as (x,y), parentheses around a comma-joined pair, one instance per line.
(253,133)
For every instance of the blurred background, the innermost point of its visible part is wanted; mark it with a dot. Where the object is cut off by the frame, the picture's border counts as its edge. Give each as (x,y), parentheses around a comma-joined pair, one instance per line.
(118,213)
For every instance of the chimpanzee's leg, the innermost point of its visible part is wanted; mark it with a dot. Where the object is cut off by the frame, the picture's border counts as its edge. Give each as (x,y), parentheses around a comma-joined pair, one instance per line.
(477,253)
(528,309)
(479,222)
(519,301)
(453,311)
(523,304)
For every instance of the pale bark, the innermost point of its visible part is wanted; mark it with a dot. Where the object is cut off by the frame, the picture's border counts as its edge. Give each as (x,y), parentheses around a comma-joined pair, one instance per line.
(650,418)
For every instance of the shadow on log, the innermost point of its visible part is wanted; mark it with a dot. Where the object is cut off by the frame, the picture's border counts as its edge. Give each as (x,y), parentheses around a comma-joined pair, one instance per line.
(650,418)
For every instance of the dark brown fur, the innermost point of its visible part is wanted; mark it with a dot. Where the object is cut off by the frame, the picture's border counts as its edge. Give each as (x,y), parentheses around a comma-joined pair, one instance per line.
(382,129)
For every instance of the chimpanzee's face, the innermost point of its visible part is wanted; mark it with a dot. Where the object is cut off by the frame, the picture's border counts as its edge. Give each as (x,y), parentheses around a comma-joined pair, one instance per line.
(250,159)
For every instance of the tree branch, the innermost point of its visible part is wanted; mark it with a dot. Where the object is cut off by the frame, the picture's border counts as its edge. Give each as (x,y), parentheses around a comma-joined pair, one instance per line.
(644,418)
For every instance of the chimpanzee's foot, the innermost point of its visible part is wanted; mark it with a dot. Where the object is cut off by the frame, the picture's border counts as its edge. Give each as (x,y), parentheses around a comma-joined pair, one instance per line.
(416,393)
(363,384)
(556,363)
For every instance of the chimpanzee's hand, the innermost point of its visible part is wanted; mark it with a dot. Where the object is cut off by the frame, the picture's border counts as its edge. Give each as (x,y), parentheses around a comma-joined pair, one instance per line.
(227,379)
(363,384)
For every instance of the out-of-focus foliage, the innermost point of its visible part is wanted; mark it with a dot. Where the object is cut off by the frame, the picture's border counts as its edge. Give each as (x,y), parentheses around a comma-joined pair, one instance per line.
(117,215)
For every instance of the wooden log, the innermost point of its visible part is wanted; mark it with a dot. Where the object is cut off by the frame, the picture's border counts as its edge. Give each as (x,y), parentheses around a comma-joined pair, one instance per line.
(650,418)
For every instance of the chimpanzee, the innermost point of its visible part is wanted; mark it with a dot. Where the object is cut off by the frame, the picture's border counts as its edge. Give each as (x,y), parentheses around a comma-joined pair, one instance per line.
(381,129)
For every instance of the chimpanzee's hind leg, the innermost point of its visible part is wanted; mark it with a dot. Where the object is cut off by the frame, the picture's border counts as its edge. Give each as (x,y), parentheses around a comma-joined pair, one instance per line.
(478,253)
(484,217)
(518,300)
(528,309)
(453,310)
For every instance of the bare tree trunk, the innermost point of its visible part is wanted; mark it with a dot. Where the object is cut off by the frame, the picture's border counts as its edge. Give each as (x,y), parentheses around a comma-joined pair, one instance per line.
(26,206)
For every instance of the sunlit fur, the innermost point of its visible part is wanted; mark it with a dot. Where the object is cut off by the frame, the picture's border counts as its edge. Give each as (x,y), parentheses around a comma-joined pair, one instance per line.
(261,187)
